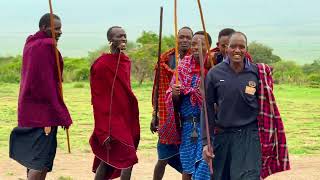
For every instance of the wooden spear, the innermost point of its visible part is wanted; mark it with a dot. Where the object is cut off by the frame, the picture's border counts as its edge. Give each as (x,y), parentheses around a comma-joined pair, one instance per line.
(205,32)
(158,68)
(58,64)
(203,94)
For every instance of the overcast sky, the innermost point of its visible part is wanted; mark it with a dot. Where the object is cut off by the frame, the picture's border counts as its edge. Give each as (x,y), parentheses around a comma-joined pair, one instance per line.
(285,25)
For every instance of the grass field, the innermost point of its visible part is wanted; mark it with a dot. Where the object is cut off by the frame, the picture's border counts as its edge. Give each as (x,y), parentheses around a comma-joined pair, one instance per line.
(299,106)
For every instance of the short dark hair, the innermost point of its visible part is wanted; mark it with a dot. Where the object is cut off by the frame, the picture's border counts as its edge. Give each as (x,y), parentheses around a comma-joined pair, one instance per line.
(244,35)
(109,32)
(226,32)
(45,20)
(186,27)
(202,33)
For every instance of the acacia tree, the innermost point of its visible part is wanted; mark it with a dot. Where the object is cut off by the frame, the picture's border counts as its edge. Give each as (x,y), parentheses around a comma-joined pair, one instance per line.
(144,56)
(262,53)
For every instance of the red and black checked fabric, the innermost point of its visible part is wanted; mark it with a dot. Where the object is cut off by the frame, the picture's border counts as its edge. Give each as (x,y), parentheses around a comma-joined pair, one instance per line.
(274,148)
(186,69)
(165,77)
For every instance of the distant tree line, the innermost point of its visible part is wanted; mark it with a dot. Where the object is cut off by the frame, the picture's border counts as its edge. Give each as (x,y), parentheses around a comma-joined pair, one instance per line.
(143,54)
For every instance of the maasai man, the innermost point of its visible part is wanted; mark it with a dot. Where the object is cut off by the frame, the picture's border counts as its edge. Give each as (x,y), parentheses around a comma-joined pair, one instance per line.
(249,140)
(187,96)
(217,55)
(220,52)
(168,144)
(40,103)
(116,134)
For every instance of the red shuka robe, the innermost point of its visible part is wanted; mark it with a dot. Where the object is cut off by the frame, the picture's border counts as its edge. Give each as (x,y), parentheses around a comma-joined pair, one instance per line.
(40,104)
(123,127)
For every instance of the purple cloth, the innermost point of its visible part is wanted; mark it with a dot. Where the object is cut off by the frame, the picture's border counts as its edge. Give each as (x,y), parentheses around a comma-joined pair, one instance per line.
(40,104)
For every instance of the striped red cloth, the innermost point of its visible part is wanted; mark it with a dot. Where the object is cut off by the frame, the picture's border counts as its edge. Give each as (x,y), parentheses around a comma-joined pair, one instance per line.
(166,74)
(186,69)
(271,131)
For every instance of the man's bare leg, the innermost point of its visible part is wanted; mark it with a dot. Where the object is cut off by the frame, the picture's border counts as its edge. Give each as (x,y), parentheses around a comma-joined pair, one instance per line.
(159,169)
(186,176)
(126,174)
(102,171)
(44,174)
(34,175)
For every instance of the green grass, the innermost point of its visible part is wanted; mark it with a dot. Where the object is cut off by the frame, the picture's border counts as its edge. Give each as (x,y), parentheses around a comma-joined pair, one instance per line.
(299,107)
(300,110)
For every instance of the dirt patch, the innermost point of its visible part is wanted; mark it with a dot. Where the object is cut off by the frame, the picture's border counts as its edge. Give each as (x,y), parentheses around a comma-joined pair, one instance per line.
(77,166)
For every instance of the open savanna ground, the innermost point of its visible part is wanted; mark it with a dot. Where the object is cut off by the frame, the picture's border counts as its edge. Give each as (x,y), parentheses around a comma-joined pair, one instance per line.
(299,106)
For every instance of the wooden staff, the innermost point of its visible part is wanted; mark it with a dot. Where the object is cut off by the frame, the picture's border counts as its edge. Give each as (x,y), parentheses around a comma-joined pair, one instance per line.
(58,64)
(158,65)
(176,37)
(202,82)
(176,108)
(205,33)
(203,94)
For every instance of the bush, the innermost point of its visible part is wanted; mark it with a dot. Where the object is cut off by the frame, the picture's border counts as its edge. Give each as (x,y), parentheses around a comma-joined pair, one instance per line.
(71,64)
(312,68)
(76,69)
(11,72)
(288,72)
(78,85)
(314,80)
(68,76)
(82,74)
(262,53)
